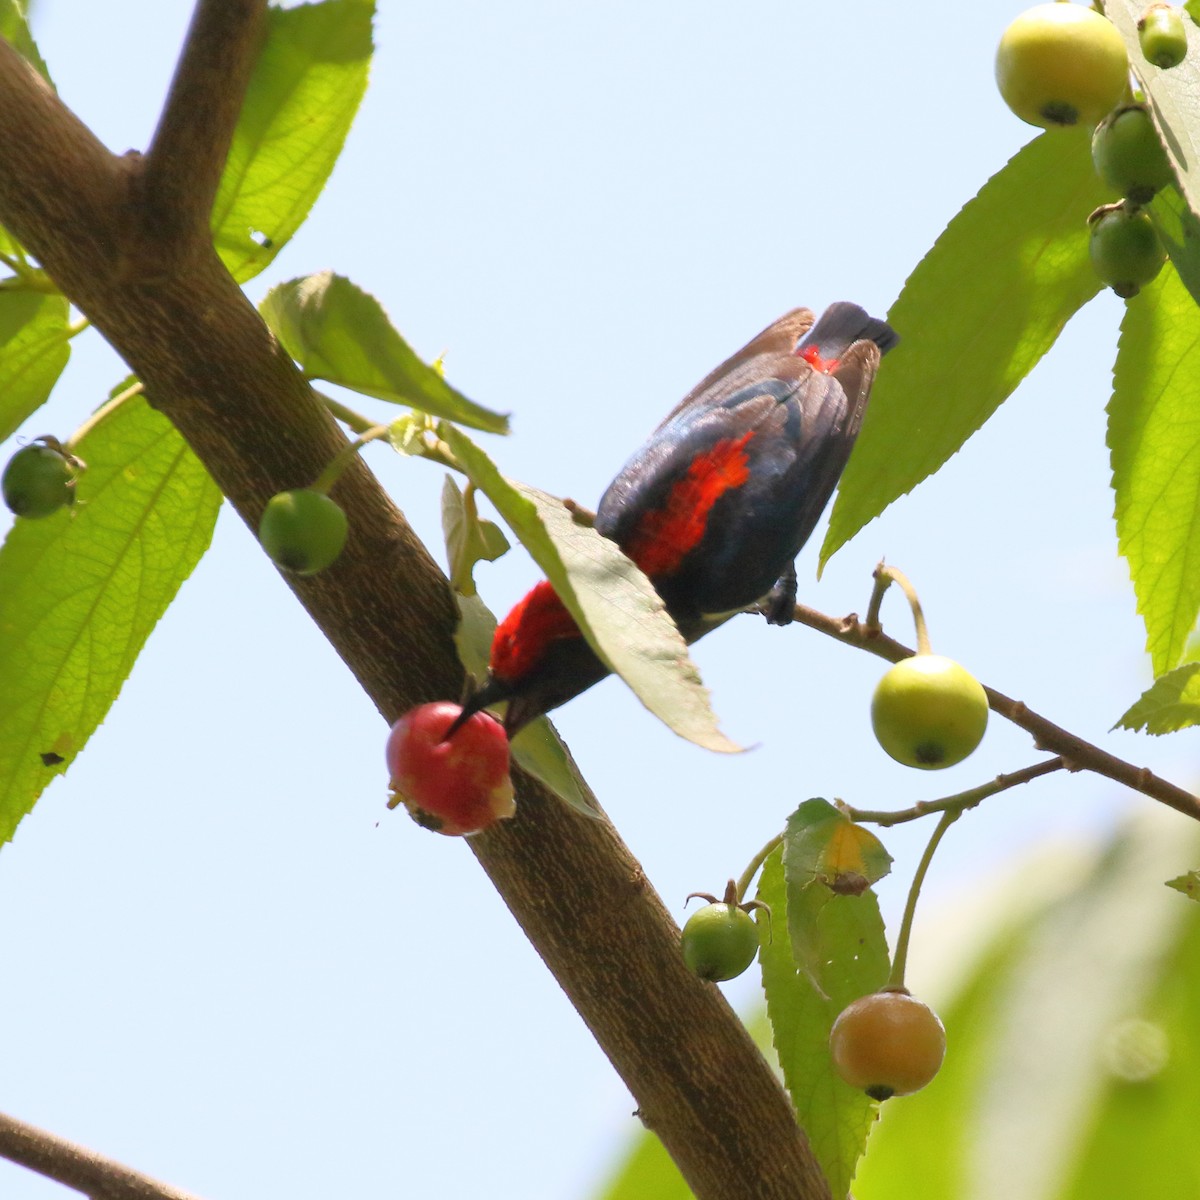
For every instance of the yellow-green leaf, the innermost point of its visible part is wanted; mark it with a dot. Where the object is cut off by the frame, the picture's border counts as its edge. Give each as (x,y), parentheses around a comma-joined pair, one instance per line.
(81,590)
(1188,884)
(828,848)
(1171,703)
(339,333)
(1154,442)
(302,98)
(803,1005)
(34,347)
(974,318)
(14,28)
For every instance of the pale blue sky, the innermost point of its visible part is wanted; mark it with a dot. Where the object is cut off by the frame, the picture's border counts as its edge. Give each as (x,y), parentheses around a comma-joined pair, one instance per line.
(226,962)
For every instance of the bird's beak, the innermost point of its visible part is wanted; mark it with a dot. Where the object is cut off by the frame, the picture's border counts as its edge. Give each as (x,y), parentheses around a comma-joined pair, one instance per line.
(492,692)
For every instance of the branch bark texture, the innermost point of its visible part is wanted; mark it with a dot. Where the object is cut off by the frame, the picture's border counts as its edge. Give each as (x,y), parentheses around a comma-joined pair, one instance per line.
(114,233)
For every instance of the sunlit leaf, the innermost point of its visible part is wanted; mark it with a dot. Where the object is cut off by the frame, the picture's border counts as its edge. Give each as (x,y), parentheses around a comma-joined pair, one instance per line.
(339,333)
(1179,229)
(1171,703)
(1188,884)
(974,318)
(34,348)
(611,600)
(804,1004)
(302,98)
(1154,440)
(81,590)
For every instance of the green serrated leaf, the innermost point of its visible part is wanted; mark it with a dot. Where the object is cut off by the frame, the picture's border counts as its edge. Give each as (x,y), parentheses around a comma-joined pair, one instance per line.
(613,603)
(974,318)
(35,343)
(1173,702)
(14,28)
(837,1118)
(339,333)
(80,592)
(1179,229)
(831,850)
(1188,884)
(1154,444)
(469,538)
(537,748)
(302,98)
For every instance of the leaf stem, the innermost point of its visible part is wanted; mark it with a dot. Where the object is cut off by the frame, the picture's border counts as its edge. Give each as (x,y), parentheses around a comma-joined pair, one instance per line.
(747,876)
(884,576)
(900,959)
(348,417)
(333,472)
(102,413)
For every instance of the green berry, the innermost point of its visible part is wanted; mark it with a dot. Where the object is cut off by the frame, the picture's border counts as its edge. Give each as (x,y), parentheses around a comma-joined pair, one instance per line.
(719,941)
(929,712)
(1061,64)
(1129,156)
(40,479)
(1163,36)
(1125,248)
(887,1044)
(303,531)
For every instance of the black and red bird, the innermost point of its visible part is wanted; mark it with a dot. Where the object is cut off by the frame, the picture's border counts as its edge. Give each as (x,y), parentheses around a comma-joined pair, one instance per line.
(716,505)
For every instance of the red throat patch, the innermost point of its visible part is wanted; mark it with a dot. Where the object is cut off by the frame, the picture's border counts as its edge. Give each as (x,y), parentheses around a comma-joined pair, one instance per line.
(812,356)
(666,534)
(521,639)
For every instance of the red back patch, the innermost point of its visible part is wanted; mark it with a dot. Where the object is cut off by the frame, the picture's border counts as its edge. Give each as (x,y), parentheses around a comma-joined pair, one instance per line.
(665,535)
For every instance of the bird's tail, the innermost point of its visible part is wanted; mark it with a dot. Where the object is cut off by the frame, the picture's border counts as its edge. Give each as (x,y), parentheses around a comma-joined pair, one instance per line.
(839,327)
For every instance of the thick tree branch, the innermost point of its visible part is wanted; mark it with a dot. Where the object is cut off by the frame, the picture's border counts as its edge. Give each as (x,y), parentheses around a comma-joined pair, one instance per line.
(1079,755)
(210,364)
(77,1167)
(187,155)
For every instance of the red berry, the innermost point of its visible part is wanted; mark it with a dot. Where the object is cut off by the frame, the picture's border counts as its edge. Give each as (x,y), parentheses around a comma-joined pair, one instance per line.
(456,785)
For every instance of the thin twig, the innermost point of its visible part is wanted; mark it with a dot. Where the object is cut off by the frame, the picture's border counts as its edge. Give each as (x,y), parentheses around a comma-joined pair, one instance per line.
(960,800)
(77,1167)
(183,165)
(1078,754)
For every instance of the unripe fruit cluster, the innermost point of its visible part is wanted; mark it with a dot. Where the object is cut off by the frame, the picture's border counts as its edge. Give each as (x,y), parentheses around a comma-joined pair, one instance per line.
(1063,64)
